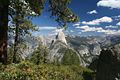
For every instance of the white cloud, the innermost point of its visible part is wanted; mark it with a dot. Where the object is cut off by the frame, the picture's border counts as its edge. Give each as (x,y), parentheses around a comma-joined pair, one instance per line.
(118,24)
(109,3)
(98,29)
(79,32)
(92,12)
(89,29)
(71,31)
(98,21)
(59,30)
(56,31)
(110,26)
(117,18)
(108,31)
(47,28)
(76,24)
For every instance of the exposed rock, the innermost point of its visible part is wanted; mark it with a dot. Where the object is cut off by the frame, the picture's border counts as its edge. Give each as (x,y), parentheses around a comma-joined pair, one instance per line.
(87,48)
(46,40)
(57,47)
(29,45)
(88,53)
(61,37)
(57,50)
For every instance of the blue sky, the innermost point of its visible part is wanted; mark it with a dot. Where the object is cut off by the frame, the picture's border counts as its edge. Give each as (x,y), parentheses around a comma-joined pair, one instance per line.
(97,17)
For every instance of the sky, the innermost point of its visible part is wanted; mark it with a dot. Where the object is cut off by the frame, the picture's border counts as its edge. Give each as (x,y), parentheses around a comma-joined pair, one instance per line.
(97,17)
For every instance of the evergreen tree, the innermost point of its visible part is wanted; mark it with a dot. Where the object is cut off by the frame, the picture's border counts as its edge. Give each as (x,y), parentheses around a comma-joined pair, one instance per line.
(39,56)
(3,30)
(58,9)
(70,58)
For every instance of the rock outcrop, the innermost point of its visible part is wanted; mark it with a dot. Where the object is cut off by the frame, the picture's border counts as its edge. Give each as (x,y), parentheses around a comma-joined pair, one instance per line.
(57,50)
(61,37)
(87,48)
(88,53)
(57,47)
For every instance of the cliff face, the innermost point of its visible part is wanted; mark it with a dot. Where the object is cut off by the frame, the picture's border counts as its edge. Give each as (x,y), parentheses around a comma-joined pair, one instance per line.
(61,37)
(88,53)
(61,52)
(87,48)
(57,50)
(57,47)
(107,66)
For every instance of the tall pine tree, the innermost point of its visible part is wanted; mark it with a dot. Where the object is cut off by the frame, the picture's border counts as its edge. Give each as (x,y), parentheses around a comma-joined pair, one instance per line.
(57,8)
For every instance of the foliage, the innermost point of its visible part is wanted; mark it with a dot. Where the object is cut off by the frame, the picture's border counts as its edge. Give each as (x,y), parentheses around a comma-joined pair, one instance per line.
(37,5)
(39,55)
(70,57)
(19,10)
(59,9)
(29,71)
(10,56)
(21,25)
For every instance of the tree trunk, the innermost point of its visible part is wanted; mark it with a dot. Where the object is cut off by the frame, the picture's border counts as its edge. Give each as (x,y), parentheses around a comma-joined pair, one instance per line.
(16,41)
(3,30)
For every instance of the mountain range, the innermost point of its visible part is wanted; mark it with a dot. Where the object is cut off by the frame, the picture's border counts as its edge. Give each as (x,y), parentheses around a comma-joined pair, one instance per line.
(99,53)
(86,48)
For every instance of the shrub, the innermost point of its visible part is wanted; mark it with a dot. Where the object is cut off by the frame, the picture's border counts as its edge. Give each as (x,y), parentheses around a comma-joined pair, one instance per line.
(70,58)
(29,71)
(39,55)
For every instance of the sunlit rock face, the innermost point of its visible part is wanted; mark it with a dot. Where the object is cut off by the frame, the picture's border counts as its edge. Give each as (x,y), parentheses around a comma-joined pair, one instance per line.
(57,50)
(46,40)
(31,43)
(88,53)
(87,48)
(57,47)
(61,37)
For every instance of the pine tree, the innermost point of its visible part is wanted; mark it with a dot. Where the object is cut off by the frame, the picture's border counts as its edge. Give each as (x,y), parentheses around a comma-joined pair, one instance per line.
(58,8)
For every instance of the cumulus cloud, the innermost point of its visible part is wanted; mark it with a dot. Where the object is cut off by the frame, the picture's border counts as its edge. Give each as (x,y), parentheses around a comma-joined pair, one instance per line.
(56,31)
(109,3)
(98,21)
(108,31)
(110,26)
(76,24)
(47,28)
(92,12)
(71,31)
(98,29)
(118,24)
(117,18)
(89,29)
